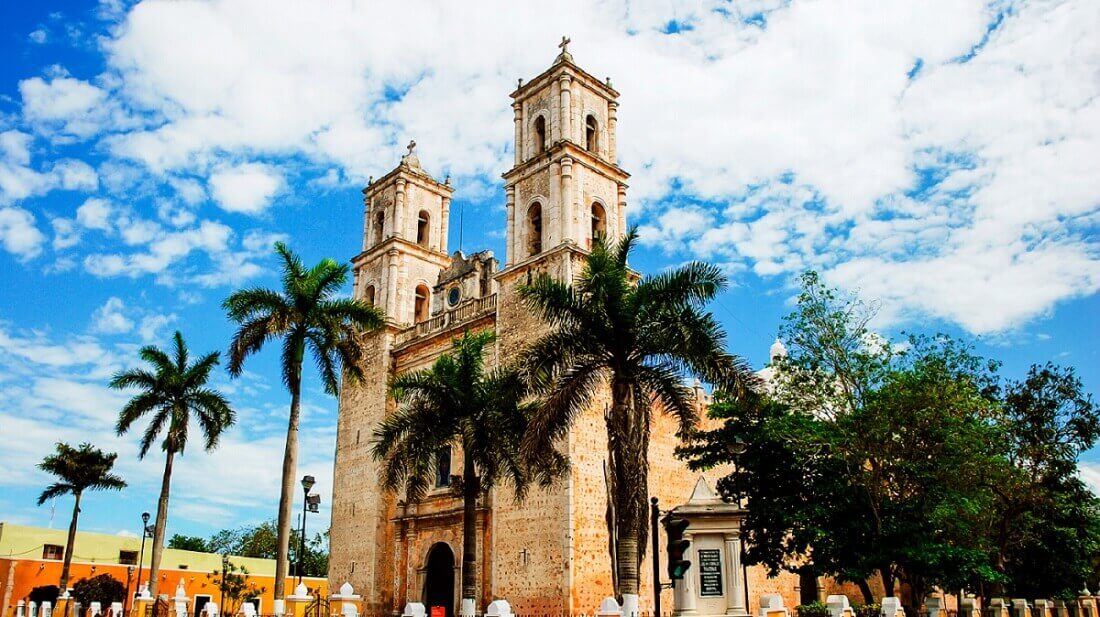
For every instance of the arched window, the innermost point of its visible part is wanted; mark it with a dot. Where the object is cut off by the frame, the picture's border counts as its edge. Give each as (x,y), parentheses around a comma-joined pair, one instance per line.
(534,229)
(422,228)
(379,226)
(591,134)
(599,224)
(368,295)
(420,308)
(540,135)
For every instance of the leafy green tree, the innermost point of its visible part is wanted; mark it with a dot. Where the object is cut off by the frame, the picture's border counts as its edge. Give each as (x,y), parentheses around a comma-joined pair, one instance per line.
(77,470)
(43,593)
(641,338)
(457,402)
(172,392)
(234,586)
(305,313)
(188,543)
(867,458)
(1046,522)
(103,588)
(261,541)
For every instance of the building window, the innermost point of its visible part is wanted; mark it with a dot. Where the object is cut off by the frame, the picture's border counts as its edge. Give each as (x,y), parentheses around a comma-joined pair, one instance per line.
(422,228)
(420,308)
(53,551)
(368,295)
(599,224)
(443,468)
(534,229)
(540,135)
(127,558)
(591,131)
(454,295)
(379,226)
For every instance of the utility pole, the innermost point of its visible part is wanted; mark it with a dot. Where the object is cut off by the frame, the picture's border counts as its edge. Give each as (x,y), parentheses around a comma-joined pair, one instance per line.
(654,515)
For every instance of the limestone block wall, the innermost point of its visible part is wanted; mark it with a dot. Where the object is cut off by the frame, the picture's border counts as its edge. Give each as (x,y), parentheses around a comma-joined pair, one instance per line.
(361,532)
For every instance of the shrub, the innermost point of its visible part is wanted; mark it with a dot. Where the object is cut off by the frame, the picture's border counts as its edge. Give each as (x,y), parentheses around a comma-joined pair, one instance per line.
(813,609)
(45,593)
(867,610)
(103,589)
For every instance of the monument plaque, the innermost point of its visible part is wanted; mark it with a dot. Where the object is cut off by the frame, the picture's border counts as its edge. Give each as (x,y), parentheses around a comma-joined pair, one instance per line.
(710,572)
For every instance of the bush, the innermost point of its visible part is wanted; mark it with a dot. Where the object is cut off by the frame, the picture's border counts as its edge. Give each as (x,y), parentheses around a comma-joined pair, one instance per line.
(45,593)
(813,609)
(103,589)
(867,610)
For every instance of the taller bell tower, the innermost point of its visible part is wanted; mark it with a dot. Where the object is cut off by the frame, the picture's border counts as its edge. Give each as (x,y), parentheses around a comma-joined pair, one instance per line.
(566,185)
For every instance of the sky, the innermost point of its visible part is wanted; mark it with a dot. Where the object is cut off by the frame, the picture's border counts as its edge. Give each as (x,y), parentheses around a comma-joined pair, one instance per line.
(938,158)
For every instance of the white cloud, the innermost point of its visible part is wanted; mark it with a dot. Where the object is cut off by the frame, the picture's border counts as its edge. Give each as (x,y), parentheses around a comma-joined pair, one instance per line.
(867,139)
(19,235)
(38,36)
(95,214)
(15,147)
(1090,475)
(73,106)
(152,325)
(246,188)
(111,318)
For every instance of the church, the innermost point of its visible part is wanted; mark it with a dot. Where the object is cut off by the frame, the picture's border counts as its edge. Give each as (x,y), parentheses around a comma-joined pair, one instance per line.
(548,555)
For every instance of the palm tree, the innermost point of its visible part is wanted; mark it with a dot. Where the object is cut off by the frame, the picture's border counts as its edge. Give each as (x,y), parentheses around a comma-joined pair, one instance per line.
(78,470)
(172,392)
(641,338)
(306,314)
(457,402)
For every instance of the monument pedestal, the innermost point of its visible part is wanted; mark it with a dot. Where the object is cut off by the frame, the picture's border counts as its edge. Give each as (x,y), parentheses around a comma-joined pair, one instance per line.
(714,585)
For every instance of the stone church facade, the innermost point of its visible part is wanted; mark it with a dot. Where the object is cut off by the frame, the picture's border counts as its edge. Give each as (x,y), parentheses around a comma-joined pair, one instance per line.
(548,555)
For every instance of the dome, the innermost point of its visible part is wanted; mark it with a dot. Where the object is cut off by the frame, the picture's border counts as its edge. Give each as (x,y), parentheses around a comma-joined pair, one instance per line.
(777,350)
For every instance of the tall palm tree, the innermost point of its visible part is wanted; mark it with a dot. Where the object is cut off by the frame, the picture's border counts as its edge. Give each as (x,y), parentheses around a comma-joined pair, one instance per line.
(172,392)
(456,402)
(77,470)
(640,338)
(305,313)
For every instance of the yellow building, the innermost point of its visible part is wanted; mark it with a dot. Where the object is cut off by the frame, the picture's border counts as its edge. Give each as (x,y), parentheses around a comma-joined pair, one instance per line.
(32,557)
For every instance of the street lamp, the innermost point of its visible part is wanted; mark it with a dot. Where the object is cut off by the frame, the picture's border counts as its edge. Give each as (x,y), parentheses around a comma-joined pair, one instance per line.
(144,534)
(310,503)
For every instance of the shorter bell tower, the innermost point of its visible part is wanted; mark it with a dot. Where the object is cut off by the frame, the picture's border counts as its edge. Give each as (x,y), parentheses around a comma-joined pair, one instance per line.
(405,215)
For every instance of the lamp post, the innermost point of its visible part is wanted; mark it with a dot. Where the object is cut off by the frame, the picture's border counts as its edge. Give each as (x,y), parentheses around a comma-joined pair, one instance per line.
(141,556)
(309,504)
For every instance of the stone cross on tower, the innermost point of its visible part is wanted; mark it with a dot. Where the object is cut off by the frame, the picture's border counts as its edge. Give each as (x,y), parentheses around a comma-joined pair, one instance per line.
(412,147)
(565,41)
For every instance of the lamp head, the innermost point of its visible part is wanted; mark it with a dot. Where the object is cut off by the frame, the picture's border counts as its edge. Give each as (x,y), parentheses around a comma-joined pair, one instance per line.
(308,482)
(145,518)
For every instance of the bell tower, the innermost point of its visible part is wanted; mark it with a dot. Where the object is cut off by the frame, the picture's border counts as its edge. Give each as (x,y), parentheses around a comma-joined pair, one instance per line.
(565,186)
(405,218)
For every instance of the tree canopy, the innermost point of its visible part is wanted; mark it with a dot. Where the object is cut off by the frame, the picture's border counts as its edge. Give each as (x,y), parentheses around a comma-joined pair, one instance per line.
(913,462)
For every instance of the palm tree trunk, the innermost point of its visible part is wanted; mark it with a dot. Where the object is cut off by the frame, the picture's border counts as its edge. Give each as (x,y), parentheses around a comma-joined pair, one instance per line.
(631,482)
(69,544)
(162,520)
(470,490)
(290,467)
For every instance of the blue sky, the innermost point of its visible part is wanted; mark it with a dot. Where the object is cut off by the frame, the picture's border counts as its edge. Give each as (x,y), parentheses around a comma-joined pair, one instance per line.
(938,158)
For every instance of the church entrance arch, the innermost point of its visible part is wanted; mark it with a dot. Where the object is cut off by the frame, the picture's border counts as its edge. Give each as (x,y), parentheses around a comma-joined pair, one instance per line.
(439,579)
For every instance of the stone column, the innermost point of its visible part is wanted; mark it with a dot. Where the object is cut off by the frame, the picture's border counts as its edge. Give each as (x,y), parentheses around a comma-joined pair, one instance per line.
(556,120)
(566,198)
(566,112)
(517,109)
(612,120)
(391,284)
(621,215)
(399,209)
(556,205)
(510,231)
(366,222)
(735,598)
(445,225)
